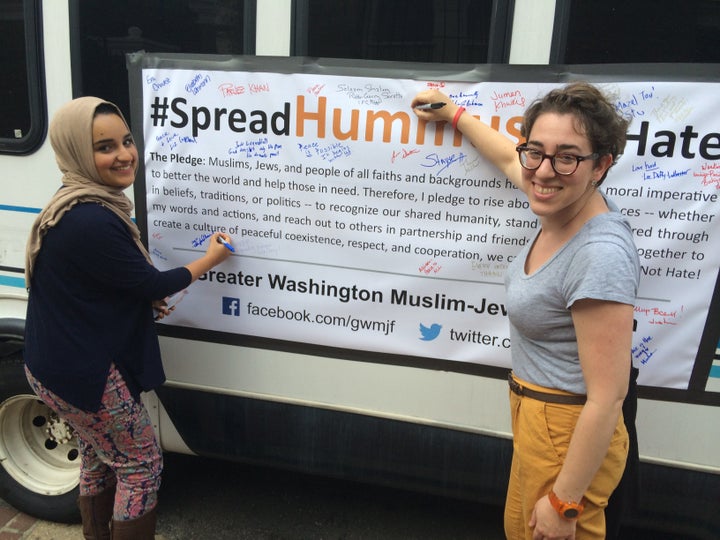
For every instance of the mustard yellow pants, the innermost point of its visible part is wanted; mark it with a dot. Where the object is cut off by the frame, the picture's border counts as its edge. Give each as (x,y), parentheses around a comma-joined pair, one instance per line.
(541,436)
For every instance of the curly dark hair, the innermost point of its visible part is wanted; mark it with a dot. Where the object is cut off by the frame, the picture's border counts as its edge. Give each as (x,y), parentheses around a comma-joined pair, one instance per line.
(596,117)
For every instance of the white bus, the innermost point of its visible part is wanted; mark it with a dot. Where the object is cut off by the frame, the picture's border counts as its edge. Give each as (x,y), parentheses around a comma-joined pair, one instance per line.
(431,422)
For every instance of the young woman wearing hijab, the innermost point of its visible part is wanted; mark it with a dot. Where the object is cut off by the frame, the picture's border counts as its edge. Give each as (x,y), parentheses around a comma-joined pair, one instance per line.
(90,341)
(570,296)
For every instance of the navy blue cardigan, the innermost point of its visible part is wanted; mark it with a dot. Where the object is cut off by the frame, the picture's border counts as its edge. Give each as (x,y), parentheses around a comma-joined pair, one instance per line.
(90,305)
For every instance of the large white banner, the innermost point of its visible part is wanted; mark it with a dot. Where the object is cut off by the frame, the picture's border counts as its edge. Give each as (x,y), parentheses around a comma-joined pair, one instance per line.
(357,226)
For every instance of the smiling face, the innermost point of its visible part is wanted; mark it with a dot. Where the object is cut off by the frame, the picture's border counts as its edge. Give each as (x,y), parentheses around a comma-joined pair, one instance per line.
(114,150)
(553,196)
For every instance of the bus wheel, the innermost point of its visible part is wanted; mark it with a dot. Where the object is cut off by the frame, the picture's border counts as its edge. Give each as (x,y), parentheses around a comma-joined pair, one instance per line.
(38,451)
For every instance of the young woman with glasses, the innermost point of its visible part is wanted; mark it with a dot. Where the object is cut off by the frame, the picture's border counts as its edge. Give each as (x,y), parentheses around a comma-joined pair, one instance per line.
(570,296)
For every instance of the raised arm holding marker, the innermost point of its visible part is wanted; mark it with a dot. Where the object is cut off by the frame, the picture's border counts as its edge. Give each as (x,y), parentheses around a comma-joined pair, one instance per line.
(436,105)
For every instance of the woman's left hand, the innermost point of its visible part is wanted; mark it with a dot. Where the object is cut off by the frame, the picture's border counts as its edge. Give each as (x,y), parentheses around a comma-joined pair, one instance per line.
(444,113)
(161,308)
(547,524)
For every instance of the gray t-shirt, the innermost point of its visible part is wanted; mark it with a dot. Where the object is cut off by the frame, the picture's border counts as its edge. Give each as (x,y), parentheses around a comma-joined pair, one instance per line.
(600,262)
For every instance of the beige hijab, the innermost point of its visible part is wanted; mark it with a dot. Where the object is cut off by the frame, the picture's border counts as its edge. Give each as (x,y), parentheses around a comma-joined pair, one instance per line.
(71,138)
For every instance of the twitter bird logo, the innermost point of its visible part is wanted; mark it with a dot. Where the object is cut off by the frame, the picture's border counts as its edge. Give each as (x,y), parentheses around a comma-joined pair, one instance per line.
(431,332)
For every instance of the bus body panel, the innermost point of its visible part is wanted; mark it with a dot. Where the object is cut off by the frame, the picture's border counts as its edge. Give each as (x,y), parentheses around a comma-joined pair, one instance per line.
(428,429)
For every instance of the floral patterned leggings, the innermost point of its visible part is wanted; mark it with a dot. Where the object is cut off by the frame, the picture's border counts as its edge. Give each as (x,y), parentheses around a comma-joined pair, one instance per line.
(117,446)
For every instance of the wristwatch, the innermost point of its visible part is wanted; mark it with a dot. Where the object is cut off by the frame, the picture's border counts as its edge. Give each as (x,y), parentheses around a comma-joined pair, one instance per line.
(568,510)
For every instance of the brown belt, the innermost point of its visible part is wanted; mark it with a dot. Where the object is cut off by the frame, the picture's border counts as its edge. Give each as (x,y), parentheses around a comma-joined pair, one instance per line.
(563,399)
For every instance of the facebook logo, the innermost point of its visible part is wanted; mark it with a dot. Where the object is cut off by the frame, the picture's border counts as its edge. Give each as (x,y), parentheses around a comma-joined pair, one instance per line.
(231,306)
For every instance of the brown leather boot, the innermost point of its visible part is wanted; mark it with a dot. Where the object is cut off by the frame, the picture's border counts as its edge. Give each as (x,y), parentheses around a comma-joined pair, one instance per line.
(142,528)
(96,512)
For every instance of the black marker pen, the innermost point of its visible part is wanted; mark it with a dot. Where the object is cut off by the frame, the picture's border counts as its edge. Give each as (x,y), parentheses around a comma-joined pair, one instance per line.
(426,106)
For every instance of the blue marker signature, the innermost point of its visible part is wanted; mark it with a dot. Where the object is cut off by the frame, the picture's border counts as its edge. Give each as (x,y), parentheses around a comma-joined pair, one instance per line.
(200,239)
(642,351)
(433,160)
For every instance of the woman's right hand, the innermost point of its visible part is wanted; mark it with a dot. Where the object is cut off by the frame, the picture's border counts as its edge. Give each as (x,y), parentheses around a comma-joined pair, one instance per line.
(216,253)
(217,250)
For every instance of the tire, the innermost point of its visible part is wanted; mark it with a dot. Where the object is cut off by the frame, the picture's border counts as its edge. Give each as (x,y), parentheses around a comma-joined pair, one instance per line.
(39,453)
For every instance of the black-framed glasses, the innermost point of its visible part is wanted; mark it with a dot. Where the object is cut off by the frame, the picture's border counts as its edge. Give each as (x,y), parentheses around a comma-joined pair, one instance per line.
(564,164)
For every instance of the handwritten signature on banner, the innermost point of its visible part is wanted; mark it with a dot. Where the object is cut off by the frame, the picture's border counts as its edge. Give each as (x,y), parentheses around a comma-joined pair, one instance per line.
(467,99)
(430,266)
(244,245)
(657,316)
(509,98)
(261,148)
(673,108)
(710,174)
(652,171)
(316,89)
(157,254)
(489,270)
(472,162)
(197,242)
(441,163)
(635,105)
(403,153)
(156,84)
(229,89)
(642,350)
(197,83)
(329,152)
(172,140)
(369,94)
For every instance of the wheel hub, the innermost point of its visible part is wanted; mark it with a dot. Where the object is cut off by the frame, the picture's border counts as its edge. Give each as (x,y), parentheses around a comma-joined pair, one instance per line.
(58,430)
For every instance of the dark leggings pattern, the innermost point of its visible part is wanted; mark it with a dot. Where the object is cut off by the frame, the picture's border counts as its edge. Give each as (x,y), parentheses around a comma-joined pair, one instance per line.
(117,446)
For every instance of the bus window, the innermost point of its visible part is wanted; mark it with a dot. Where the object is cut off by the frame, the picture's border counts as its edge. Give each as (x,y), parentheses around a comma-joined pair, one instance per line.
(457,31)
(107,30)
(618,31)
(22,110)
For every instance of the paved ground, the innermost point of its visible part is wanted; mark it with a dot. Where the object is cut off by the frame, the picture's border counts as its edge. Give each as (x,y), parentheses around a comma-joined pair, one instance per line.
(204,498)
(15,525)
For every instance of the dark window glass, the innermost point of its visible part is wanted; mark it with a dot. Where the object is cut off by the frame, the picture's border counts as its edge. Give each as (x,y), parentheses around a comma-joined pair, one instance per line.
(421,31)
(111,28)
(22,118)
(622,31)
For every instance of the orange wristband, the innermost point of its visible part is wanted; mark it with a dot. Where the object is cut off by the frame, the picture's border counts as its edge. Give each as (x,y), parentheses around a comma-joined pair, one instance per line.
(457,116)
(568,510)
